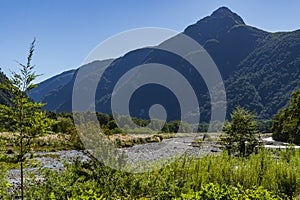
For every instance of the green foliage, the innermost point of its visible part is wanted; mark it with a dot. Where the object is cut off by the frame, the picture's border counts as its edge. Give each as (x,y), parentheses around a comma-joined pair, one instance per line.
(215,191)
(24,116)
(207,192)
(264,126)
(4,94)
(178,126)
(286,124)
(268,75)
(240,133)
(124,125)
(4,185)
(264,175)
(63,125)
(87,195)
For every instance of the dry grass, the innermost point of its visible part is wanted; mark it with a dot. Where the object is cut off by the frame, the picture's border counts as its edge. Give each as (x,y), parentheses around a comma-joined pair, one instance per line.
(50,137)
(128,136)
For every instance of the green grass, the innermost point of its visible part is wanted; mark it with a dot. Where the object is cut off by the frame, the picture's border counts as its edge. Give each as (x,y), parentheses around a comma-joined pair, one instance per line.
(273,171)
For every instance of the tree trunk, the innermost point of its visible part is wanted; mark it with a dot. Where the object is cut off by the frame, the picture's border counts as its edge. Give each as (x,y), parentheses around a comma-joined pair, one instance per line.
(22,183)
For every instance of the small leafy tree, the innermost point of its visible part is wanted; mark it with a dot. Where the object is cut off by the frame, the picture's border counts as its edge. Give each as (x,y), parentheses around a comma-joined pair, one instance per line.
(286,124)
(24,117)
(240,133)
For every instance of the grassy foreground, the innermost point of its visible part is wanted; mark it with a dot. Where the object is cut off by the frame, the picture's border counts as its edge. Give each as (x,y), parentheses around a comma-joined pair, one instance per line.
(265,175)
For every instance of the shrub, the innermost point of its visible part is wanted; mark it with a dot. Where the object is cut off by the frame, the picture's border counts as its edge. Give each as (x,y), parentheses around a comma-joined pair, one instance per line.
(240,133)
(216,191)
(286,124)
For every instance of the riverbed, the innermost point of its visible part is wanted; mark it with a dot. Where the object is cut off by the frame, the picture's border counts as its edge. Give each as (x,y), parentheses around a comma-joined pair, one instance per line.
(144,152)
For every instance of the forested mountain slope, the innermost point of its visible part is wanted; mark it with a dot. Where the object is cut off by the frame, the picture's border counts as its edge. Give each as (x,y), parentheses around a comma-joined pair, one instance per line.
(260,69)
(4,94)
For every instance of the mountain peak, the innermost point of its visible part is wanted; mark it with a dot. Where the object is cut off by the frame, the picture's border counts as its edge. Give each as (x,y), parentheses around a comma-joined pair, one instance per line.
(224,12)
(214,26)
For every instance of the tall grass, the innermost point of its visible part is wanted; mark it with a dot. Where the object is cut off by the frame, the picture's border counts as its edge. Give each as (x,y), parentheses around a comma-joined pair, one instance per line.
(276,171)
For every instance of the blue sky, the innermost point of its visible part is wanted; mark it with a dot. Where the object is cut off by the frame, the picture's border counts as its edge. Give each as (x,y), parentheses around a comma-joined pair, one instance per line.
(67,30)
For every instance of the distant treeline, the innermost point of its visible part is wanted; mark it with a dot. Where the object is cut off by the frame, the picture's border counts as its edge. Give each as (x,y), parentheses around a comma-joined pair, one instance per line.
(121,125)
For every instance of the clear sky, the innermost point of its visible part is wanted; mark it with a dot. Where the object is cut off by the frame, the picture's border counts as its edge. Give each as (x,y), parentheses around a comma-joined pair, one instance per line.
(67,30)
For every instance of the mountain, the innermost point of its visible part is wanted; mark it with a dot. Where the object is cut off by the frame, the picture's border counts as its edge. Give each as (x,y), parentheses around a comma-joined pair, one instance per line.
(260,70)
(268,75)
(4,94)
(227,38)
(60,98)
(51,85)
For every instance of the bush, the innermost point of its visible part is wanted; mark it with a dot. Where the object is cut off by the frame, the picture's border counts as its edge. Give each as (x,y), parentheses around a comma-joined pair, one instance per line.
(216,191)
(286,124)
(63,125)
(240,133)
